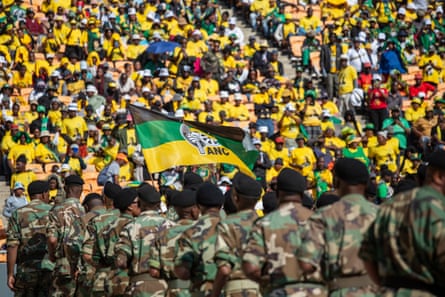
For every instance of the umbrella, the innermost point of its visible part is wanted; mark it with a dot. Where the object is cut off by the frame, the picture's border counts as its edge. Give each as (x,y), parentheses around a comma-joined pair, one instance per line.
(161,47)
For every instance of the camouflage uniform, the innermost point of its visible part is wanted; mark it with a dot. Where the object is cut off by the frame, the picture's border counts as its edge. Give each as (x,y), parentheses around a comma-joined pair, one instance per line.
(118,279)
(407,242)
(331,240)
(66,224)
(27,229)
(196,250)
(232,234)
(96,246)
(134,247)
(162,255)
(271,246)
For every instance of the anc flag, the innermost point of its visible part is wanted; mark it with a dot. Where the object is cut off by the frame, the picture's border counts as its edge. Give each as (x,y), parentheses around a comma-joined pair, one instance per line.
(167,142)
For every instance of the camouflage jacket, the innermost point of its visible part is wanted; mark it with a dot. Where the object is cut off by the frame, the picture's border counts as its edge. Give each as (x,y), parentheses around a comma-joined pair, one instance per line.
(272,244)
(232,234)
(332,238)
(27,230)
(112,232)
(407,240)
(137,237)
(67,225)
(162,253)
(196,250)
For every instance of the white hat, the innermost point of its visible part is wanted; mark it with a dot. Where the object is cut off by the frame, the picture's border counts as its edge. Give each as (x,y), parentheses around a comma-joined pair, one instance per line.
(401,10)
(49,55)
(83,65)
(136,36)
(145,89)
(18,185)
(163,72)
(238,96)
(84,21)
(127,97)
(224,94)
(44,133)
(91,88)
(156,35)
(263,129)
(169,14)
(232,21)
(92,128)
(381,36)
(196,32)
(224,179)
(256,141)
(421,95)
(147,72)
(376,76)
(411,5)
(131,11)
(179,113)
(187,68)
(111,16)
(383,133)
(343,57)
(427,21)
(362,36)
(325,114)
(65,167)
(9,119)
(72,107)
(290,107)
(151,15)
(439,9)
(55,73)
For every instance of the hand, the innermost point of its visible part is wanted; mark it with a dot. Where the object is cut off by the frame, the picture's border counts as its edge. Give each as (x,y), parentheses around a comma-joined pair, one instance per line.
(11,282)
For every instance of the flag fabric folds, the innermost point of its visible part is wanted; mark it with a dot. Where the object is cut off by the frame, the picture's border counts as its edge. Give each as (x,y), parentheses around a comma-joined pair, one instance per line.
(167,142)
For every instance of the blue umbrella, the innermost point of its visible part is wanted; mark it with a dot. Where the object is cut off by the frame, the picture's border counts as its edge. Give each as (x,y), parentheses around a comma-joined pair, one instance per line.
(161,47)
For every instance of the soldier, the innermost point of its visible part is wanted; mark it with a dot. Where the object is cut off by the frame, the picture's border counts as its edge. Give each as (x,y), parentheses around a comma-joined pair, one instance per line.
(404,248)
(269,254)
(26,241)
(94,248)
(232,234)
(126,201)
(65,234)
(94,207)
(162,252)
(134,245)
(196,246)
(334,233)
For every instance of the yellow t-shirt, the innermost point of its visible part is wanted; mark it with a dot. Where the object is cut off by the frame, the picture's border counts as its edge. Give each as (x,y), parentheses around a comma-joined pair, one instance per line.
(289,128)
(303,156)
(25,178)
(74,126)
(346,78)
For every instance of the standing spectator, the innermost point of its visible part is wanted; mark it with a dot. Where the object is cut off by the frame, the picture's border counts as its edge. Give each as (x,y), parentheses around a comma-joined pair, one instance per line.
(330,64)
(377,102)
(347,78)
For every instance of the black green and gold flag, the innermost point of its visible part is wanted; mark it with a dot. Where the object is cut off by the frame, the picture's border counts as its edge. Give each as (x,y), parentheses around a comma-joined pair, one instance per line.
(167,142)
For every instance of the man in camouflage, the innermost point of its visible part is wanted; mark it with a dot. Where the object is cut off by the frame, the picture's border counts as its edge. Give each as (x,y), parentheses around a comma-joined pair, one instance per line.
(332,236)
(232,233)
(26,241)
(404,249)
(134,245)
(269,254)
(126,201)
(94,249)
(162,253)
(65,234)
(196,246)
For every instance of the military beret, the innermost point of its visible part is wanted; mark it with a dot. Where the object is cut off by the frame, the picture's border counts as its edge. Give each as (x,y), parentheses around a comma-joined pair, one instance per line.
(437,160)
(185,198)
(209,194)
(125,198)
(38,187)
(74,180)
(148,194)
(326,199)
(112,190)
(291,181)
(247,186)
(192,180)
(352,171)
(90,197)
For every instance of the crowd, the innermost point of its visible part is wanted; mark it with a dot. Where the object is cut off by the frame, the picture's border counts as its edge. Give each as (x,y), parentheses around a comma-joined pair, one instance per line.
(367,89)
